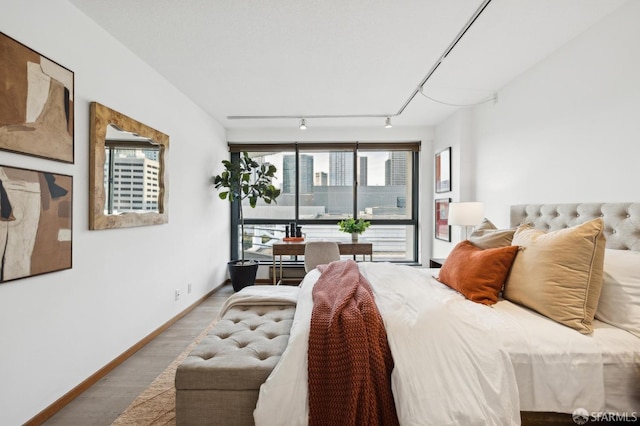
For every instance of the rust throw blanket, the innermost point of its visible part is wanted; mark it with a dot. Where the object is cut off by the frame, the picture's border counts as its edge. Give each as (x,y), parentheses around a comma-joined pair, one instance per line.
(350,361)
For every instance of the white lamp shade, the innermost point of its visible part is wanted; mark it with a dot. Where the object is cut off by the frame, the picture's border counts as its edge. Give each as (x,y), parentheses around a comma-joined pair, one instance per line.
(465,214)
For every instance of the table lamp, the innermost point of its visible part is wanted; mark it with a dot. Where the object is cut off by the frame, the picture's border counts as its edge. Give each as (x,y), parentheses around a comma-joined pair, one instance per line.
(465,214)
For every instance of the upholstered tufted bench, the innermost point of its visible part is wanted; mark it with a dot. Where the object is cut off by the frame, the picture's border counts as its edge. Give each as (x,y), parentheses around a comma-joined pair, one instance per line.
(218,383)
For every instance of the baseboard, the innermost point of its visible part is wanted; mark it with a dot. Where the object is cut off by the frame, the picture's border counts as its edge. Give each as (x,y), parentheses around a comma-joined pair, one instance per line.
(52,409)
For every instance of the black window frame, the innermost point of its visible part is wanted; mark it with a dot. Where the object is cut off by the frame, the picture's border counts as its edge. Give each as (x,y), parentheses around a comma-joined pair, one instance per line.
(413,147)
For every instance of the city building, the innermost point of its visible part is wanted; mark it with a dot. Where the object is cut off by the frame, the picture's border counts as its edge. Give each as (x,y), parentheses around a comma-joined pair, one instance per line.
(362,171)
(340,168)
(320,179)
(133,184)
(289,174)
(395,169)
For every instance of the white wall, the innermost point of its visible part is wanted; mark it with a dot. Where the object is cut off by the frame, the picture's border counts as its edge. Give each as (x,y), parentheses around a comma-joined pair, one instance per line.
(362,134)
(567,130)
(58,329)
(455,132)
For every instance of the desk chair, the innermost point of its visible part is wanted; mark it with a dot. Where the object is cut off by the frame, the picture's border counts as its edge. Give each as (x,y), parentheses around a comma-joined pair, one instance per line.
(320,253)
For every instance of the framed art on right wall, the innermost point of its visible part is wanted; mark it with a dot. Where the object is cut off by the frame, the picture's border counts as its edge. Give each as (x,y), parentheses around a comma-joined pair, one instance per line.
(441,214)
(443,170)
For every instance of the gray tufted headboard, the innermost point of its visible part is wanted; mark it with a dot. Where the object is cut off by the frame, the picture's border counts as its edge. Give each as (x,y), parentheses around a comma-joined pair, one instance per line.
(621,220)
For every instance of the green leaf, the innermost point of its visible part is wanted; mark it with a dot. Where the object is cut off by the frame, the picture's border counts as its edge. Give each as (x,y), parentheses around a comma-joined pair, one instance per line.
(351,225)
(247,179)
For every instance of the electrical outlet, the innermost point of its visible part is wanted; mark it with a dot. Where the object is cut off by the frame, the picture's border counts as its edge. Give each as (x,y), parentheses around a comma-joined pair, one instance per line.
(189,288)
(177,294)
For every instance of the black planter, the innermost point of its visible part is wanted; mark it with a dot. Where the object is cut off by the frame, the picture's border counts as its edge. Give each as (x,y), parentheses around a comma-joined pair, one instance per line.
(242,275)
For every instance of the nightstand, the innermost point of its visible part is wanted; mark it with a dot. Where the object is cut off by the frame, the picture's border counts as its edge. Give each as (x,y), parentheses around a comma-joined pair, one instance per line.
(436,262)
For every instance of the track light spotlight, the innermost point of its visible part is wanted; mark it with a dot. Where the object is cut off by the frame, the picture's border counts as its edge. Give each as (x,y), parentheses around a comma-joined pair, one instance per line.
(387,123)
(303,124)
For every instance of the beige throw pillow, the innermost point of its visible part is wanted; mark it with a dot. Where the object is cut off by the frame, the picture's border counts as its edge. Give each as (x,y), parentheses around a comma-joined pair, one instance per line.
(486,236)
(559,273)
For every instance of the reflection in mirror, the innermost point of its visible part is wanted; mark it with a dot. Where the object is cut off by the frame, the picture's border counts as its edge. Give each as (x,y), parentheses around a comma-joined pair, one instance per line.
(131,172)
(128,171)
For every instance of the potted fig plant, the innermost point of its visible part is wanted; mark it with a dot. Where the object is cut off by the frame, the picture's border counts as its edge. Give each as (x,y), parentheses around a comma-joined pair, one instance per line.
(246,179)
(354,227)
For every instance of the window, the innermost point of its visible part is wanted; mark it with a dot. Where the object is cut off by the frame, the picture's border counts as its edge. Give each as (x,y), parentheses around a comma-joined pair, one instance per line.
(284,161)
(323,183)
(330,197)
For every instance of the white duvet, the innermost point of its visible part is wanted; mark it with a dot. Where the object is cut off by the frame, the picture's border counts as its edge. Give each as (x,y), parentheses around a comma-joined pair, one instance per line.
(450,368)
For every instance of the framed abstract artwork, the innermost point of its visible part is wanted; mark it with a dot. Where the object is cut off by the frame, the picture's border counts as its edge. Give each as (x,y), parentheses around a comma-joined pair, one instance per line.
(35,222)
(36,103)
(442,230)
(443,171)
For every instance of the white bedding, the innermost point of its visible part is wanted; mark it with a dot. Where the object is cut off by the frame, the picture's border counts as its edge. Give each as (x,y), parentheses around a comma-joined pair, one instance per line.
(543,353)
(481,368)
(449,369)
(560,370)
(621,359)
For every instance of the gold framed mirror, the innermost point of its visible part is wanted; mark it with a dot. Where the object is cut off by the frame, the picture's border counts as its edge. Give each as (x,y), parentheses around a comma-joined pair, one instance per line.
(128,171)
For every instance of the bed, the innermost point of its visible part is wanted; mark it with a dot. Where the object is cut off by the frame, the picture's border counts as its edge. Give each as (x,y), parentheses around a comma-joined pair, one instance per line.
(562,335)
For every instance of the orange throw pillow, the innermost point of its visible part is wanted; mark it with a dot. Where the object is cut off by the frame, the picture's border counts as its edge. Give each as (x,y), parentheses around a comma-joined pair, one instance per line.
(476,273)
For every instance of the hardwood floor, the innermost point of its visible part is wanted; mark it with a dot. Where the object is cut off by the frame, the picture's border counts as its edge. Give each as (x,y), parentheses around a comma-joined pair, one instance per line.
(103,402)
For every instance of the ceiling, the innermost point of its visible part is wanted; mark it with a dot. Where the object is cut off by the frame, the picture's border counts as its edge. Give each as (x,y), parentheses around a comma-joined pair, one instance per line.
(345,58)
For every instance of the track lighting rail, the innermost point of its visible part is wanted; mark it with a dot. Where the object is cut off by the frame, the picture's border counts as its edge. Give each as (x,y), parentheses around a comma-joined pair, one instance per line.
(387,117)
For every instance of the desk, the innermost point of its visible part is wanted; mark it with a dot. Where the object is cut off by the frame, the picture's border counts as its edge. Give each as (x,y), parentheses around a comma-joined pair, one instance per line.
(297,249)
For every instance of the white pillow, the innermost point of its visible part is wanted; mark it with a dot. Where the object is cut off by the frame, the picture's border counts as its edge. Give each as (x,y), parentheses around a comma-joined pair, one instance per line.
(619,303)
